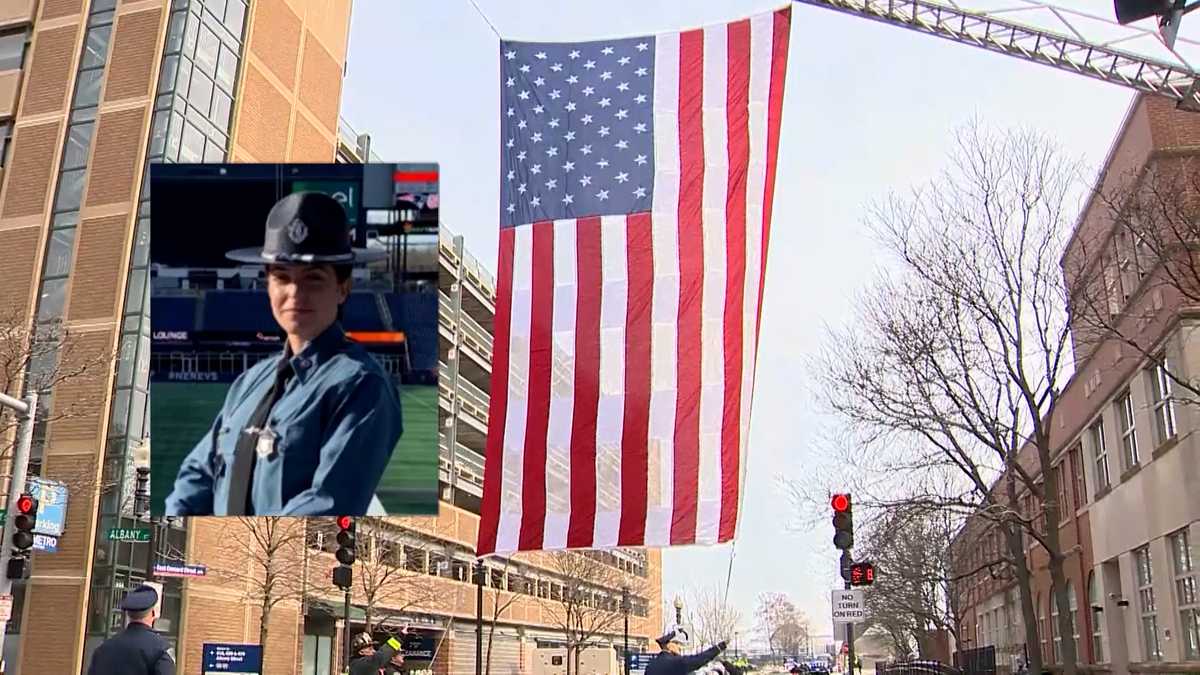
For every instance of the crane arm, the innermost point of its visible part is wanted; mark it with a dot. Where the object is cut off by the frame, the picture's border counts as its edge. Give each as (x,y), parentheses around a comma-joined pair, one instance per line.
(1132,57)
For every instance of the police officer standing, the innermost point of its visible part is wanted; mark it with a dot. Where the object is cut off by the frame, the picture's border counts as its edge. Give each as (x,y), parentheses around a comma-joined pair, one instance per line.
(310,431)
(137,650)
(368,660)
(672,661)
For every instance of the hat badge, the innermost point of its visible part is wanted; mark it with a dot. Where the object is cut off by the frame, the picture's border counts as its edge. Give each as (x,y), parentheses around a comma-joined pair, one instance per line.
(297,231)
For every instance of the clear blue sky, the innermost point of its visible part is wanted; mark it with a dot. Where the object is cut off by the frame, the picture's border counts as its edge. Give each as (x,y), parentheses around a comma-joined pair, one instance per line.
(869,108)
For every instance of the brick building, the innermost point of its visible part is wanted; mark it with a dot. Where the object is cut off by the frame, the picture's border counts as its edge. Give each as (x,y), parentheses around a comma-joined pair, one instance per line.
(1124,438)
(91,91)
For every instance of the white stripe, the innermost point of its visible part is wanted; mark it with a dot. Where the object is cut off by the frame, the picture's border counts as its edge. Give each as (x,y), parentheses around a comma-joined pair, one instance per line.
(664,314)
(614,283)
(761,40)
(562,388)
(712,330)
(509,530)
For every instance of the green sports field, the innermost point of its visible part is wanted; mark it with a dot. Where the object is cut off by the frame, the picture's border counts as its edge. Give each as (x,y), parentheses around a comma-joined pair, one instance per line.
(181,413)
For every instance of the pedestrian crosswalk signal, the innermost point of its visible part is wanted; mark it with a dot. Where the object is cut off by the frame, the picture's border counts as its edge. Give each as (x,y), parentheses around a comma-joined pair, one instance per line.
(345,539)
(843,523)
(24,523)
(862,574)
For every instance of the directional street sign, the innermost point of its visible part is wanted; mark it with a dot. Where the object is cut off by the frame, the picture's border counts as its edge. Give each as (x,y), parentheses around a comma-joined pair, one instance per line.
(45,544)
(52,505)
(848,606)
(127,534)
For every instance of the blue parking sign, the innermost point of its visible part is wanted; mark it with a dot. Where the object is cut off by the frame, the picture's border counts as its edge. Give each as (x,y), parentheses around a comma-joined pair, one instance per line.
(232,659)
(52,505)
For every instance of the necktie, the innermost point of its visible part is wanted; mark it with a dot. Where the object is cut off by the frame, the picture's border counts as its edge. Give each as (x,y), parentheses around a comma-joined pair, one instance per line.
(242,475)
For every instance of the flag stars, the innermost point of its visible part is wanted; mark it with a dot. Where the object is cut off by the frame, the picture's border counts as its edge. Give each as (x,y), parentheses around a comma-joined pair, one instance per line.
(541,56)
(521,188)
(622,144)
(524,95)
(585,181)
(640,192)
(522,124)
(570,136)
(524,68)
(536,201)
(622,114)
(641,47)
(537,137)
(510,112)
(607,51)
(509,82)
(512,208)
(511,174)
(602,195)
(540,81)
(624,60)
(556,67)
(511,142)
(568,167)
(640,98)
(588,91)
(568,199)
(606,75)
(624,86)
(535,169)
(587,150)
(622,177)
(574,79)
(538,109)
(640,127)
(641,72)
(551,184)
(640,160)
(552,151)
(586,119)
(604,102)
(553,124)
(589,64)
(574,54)
(555,94)
(602,163)
(510,54)
(603,131)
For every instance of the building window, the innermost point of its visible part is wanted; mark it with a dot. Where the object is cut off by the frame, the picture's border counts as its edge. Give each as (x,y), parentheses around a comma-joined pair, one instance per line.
(1145,584)
(1097,609)
(1073,607)
(1100,453)
(1042,625)
(1077,476)
(1129,447)
(1064,500)
(1054,631)
(12,49)
(1164,409)
(5,141)
(1185,594)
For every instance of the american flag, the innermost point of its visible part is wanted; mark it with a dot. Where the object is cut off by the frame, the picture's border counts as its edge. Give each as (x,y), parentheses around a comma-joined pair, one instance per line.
(637,178)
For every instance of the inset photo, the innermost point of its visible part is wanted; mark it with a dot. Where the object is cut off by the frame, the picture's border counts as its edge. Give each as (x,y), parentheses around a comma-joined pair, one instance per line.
(294,354)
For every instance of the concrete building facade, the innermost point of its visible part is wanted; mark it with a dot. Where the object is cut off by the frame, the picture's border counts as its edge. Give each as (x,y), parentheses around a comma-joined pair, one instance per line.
(91,92)
(1124,439)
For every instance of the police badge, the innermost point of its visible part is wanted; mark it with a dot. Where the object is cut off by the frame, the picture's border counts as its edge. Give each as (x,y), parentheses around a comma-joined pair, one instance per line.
(297,231)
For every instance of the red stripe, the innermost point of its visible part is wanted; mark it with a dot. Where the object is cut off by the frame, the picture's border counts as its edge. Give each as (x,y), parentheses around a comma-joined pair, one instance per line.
(779,51)
(639,254)
(537,414)
(415,176)
(587,384)
(691,286)
(737,112)
(489,511)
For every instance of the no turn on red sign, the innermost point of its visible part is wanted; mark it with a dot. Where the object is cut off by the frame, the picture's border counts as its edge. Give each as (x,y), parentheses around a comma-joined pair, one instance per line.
(848,606)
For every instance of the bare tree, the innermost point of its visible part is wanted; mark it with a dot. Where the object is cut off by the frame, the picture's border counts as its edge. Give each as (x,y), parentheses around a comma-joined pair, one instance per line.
(587,605)
(502,599)
(715,619)
(780,623)
(391,574)
(267,561)
(959,352)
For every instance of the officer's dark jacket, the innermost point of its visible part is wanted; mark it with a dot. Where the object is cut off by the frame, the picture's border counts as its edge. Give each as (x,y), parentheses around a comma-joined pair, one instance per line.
(370,665)
(135,651)
(666,663)
(338,422)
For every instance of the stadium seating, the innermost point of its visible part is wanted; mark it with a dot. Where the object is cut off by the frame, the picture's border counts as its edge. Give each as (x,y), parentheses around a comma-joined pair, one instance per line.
(361,312)
(238,311)
(173,313)
(416,315)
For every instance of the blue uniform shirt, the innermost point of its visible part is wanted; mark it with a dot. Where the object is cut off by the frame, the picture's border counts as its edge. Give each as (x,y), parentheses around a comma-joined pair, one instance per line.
(337,423)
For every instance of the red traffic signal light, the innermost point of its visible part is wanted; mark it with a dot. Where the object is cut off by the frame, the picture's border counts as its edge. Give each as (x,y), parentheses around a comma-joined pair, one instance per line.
(24,522)
(26,504)
(843,523)
(840,502)
(862,574)
(345,522)
(346,553)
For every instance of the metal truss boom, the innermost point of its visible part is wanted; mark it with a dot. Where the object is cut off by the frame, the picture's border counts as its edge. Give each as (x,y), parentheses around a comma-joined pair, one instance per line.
(1066,45)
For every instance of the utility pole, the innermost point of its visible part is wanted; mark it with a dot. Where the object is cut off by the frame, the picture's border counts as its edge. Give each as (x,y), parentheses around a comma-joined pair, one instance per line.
(27,410)
(625,609)
(479,571)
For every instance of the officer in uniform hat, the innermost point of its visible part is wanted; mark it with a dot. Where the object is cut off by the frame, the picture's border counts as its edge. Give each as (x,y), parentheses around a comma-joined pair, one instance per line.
(672,661)
(310,431)
(369,661)
(137,650)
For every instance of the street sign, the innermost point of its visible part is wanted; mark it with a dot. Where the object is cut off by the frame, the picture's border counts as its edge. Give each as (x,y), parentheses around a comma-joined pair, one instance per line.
(45,544)
(6,607)
(639,662)
(232,659)
(848,606)
(127,534)
(183,570)
(52,505)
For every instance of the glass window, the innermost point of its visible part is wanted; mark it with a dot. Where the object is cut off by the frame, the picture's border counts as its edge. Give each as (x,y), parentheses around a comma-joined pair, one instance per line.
(214,152)
(174,134)
(137,414)
(175,32)
(137,285)
(1077,476)
(221,108)
(102,5)
(1054,627)
(1100,455)
(235,15)
(166,76)
(5,141)
(189,34)
(1073,607)
(87,114)
(58,258)
(79,141)
(1164,408)
(1097,609)
(87,89)
(183,82)
(125,357)
(120,412)
(200,95)
(1185,594)
(95,49)
(217,7)
(68,219)
(207,48)
(12,50)
(1149,612)
(53,299)
(101,18)
(191,150)
(227,68)
(1126,423)
(141,246)
(70,190)
(158,133)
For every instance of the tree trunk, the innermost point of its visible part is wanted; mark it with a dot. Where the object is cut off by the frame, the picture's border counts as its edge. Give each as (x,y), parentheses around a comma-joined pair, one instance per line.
(265,623)
(1016,551)
(1057,576)
(487,662)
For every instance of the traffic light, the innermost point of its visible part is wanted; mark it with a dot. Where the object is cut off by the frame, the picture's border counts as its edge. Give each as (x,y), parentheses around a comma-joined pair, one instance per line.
(24,523)
(843,523)
(343,575)
(862,574)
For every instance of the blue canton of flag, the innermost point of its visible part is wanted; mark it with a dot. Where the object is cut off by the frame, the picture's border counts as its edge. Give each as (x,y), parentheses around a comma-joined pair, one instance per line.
(577,128)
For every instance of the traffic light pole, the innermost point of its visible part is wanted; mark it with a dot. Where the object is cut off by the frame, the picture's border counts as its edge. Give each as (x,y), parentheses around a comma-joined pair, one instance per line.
(346,632)
(20,465)
(849,643)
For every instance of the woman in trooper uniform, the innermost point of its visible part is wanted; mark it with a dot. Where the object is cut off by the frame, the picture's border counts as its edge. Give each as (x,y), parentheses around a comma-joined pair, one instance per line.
(310,431)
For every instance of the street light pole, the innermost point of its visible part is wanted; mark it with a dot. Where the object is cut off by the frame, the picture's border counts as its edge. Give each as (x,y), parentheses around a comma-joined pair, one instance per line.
(625,609)
(479,573)
(27,409)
